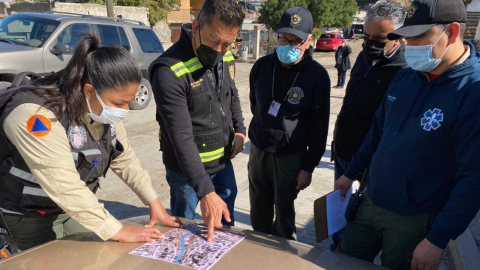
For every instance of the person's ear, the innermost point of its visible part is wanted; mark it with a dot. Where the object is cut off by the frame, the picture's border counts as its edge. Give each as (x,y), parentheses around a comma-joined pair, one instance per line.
(88,91)
(195,28)
(453,32)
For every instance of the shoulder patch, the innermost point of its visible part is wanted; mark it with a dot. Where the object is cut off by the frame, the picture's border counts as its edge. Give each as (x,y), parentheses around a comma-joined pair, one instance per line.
(39,126)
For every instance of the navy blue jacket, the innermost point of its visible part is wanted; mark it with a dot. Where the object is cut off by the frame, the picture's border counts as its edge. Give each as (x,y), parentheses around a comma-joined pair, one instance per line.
(424,148)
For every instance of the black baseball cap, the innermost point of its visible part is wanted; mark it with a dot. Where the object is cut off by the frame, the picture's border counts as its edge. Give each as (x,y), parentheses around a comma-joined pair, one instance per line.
(423,15)
(296,21)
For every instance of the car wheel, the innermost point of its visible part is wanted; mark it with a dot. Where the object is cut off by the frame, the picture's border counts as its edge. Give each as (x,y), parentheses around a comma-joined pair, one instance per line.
(143,96)
(4,85)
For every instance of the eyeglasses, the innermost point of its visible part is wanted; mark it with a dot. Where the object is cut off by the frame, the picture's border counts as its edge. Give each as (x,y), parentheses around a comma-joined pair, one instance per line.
(295,43)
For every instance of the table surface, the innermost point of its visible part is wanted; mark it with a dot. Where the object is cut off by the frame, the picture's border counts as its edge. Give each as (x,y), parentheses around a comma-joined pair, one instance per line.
(258,251)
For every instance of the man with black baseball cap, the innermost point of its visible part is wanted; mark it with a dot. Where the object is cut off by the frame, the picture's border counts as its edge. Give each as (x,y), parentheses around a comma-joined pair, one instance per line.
(422,150)
(290,103)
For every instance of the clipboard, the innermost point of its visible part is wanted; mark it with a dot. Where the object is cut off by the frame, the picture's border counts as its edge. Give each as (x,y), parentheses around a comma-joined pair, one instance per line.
(320,217)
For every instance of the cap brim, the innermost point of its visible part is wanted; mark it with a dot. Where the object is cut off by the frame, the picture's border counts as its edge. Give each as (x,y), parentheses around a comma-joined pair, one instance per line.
(298,33)
(410,31)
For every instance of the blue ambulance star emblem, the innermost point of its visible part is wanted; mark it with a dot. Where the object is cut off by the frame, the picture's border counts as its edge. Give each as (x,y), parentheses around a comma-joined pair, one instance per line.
(432,119)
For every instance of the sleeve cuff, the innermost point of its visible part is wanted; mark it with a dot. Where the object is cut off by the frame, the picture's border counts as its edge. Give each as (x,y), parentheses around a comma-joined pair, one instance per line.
(438,239)
(147,195)
(350,174)
(308,168)
(203,187)
(109,228)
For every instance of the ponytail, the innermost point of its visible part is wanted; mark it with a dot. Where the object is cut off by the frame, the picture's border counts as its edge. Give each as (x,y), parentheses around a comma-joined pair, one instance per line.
(106,68)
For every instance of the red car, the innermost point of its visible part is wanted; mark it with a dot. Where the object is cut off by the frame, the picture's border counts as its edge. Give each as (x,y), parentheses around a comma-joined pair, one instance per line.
(329,42)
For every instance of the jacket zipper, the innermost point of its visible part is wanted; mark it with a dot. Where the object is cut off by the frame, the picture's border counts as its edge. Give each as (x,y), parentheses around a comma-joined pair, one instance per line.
(101,156)
(211,116)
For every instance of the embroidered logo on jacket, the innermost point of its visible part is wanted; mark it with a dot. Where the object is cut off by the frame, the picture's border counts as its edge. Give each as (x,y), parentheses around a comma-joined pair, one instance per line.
(295,95)
(432,119)
(77,136)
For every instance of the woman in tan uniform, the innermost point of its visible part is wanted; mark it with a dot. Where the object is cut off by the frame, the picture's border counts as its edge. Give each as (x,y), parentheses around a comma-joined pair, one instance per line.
(59,135)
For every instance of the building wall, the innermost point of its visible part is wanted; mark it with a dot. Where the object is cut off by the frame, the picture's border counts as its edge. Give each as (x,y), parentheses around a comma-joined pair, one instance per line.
(132,13)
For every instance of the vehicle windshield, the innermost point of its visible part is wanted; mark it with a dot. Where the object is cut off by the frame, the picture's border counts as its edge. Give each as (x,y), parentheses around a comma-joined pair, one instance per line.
(26,31)
(327,36)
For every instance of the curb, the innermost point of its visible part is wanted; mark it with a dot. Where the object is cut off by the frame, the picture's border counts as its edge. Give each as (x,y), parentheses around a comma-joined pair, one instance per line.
(464,252)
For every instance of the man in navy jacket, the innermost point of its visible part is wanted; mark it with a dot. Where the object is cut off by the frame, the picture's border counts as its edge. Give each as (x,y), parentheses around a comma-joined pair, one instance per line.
(422,150)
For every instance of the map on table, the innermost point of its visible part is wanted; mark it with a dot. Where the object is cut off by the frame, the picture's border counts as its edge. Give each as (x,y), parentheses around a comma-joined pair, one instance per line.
(189,247)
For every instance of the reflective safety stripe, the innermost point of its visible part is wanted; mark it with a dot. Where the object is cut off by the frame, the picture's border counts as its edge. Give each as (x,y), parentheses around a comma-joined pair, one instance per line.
(23,175)
(213,155)
(228,57)
(183,68)
(91,152)
(5,211)
(34,191)
(114,142)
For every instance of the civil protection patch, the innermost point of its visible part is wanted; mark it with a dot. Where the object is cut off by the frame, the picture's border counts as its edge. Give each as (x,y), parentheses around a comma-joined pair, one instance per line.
(39,126)
(77,136)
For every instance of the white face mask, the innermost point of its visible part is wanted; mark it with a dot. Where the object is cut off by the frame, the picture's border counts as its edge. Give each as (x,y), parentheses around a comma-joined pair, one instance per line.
(420,58)
(109,115)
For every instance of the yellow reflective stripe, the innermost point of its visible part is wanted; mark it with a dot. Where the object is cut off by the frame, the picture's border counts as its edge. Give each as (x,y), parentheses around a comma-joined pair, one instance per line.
(206,154)
(194,68)
(213,155)
(176,66)
(183,68)
(228,57)
(212,158)
(182,72)
(191,61)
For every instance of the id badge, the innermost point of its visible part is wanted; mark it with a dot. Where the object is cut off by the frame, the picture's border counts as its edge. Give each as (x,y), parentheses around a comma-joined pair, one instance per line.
(274,108)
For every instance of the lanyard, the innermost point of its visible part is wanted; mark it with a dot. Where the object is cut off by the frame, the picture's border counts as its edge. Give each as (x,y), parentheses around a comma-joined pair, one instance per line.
(273,84)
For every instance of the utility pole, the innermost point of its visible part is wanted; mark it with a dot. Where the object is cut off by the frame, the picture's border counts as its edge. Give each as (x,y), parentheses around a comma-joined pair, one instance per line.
(110,8)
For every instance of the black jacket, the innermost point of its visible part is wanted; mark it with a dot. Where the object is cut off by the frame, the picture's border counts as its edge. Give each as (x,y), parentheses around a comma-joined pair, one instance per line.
(198,111)
(302,120)
(346,65)
(365,91)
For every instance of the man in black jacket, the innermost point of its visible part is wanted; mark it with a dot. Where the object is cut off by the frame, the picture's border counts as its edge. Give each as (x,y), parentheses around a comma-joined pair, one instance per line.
(374,69)
(371,75)
(199,113)
(290,102)
(342,58)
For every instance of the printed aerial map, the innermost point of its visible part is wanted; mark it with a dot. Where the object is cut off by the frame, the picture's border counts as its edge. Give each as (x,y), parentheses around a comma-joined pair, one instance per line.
(188,247)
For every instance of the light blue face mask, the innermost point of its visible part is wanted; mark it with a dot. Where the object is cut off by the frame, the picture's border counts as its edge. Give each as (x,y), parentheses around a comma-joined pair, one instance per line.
(420,58)
(288,54)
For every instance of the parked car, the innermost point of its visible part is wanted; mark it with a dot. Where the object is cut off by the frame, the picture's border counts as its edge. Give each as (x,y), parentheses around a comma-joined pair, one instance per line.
(329,42)
(44,43)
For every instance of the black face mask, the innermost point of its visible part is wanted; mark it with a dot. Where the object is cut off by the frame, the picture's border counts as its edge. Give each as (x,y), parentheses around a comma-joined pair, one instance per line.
(373,49)
(208,56)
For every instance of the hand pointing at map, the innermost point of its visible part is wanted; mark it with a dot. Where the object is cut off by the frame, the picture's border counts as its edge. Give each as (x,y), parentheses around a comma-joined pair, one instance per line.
(213,208)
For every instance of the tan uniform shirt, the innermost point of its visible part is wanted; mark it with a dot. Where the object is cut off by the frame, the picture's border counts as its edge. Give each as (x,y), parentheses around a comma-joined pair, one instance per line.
(51,163)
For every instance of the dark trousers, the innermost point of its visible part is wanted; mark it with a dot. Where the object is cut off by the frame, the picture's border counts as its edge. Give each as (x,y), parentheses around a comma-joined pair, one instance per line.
(273,181)
(342,75)
(30,232)
(376,228)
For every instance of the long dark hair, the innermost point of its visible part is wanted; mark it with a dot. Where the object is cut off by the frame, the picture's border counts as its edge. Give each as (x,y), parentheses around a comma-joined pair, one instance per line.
(106,68)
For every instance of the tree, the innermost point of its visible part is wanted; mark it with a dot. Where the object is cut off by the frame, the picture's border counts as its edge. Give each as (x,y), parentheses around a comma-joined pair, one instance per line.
(325,13)
(272,10)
